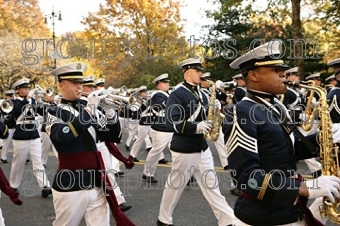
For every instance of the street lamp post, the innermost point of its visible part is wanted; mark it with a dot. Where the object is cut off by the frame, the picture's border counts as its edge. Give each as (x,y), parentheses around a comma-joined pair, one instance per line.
(52,16)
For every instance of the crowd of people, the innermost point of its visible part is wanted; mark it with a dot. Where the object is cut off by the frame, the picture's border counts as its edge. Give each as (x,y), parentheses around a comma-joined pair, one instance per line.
(261,133)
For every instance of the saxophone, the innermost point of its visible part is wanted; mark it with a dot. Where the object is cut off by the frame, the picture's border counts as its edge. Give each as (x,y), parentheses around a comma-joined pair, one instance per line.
(214,116)
(310,111)
(328,151)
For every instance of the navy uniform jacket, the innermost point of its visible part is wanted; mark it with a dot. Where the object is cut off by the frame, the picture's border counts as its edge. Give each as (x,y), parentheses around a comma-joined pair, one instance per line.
(3,131)
(8,120)
(239,93)
(125,111)
(333,98)
(182,104)
(70,134)
(24,112)
(256,141)
(292,101)
(158,104)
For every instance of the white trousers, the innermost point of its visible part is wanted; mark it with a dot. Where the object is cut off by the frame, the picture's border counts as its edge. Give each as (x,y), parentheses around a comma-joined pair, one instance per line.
(7,144)
(71,207)
(201,166)
(221,150)
(2,220)
(238,222)
(46,147)
(21,149)
(142,133)
(133,125)
(106,155)
(159,141)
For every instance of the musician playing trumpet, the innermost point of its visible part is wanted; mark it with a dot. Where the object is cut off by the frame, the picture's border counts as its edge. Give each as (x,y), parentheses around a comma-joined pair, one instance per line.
(26,138)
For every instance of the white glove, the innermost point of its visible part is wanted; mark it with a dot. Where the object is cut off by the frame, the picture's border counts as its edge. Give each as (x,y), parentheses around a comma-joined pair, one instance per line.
(217,104)
(303,116)
(324,186)
(110,112)
(336,132)
(219,84)
(94,98)
(203,127)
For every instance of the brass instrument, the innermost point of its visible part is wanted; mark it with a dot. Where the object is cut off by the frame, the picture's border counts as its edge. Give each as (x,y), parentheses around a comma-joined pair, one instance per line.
(310,111)
(226,86)
(135,101)
(122,91)
(328,151)
(281,97)
(214,116)
(6,106)
(40,92)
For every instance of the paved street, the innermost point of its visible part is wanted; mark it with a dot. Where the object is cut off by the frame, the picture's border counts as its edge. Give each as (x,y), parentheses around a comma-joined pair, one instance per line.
(192,209)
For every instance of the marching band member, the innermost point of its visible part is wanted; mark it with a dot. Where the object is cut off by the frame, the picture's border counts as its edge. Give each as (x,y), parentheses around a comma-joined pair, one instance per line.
(115,164)
(26,138)
(263,164)
(333,96)
(46,144)
(10,123)
(160,134)
(74,130)
(89,87)
(144,123)
(240,90)
(4,184)
(191,156)
(219,144)
(331,82)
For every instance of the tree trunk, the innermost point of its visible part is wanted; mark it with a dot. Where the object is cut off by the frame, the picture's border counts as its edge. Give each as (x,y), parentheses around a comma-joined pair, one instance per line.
(297,35)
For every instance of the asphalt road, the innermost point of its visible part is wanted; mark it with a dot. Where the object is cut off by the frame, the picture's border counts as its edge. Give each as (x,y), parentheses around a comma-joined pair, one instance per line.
(192,209)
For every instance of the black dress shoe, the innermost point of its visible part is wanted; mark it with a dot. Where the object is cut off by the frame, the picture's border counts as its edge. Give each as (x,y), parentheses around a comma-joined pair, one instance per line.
(160,223)
(127,148)
(15,189)
(151,180)
(125,207)
(235,191)
(4,161)
(119,174)
(163,161)
(135,159)
(192,180)
(226,167)
(148,149)
(45,192)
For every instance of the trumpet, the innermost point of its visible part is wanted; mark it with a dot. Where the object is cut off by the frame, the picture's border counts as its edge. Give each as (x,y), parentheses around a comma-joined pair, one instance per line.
(122,91)
(40,92)
(6,106)
(226,86)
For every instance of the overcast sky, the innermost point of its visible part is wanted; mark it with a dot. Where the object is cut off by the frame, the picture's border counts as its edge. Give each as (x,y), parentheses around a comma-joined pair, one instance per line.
(73,11)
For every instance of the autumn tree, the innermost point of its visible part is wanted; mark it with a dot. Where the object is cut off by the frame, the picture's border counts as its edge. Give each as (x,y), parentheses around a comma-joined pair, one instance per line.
(19,22)
(137,40)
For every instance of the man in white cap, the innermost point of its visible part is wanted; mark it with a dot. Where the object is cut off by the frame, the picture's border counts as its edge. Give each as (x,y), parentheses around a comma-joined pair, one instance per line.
(333,96)
(26,139)
(89,87)
(10,123)
(331,82)
(100,84)
(295,103)
(160,134)
(240,90)
(73,129)
(270,193)
(143,118)
(316,79)
(191,156)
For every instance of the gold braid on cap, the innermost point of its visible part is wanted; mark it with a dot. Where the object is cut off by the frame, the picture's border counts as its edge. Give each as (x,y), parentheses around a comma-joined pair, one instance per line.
(270,62)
